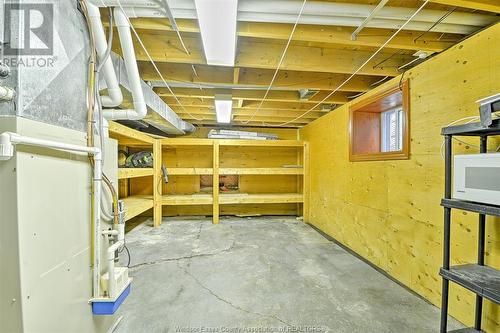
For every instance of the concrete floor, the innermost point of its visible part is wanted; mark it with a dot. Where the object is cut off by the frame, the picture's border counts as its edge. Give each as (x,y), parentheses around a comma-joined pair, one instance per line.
(260,275)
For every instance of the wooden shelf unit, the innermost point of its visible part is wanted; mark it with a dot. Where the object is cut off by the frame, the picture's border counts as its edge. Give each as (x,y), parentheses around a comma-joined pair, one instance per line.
(187,158)
(136,201)
(271,173)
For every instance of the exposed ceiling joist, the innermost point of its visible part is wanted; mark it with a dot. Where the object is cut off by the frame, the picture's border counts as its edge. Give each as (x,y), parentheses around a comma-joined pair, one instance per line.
(243,117)
(250,113)
(242,121)
(246,104)
(254,77)
(256,54)
(255,95)
(485,5)
(407,40)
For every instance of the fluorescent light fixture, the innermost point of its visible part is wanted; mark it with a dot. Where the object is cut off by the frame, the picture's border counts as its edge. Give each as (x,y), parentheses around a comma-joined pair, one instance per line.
(223,108)
(217,20)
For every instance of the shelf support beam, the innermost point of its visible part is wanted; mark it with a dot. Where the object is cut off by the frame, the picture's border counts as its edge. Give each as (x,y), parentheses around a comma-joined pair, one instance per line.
(446,240)
(215,185)
(305,182)
(480,246)
(157,183)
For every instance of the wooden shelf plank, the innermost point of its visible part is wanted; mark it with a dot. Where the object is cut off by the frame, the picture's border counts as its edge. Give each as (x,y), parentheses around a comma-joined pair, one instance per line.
(137,204)
(261,171)
(127,136)
(125,173)
(243,198)
(189,171)
(186,142)
(187,199)
(261,143)
(230,142)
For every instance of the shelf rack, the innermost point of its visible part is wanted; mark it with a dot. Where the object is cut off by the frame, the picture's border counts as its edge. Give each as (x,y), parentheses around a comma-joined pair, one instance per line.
(136,204)
(144,183)
(484,281)
(217,199)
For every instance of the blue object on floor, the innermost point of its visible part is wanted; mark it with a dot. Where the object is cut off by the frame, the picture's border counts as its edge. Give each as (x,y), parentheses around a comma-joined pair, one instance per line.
(109,308)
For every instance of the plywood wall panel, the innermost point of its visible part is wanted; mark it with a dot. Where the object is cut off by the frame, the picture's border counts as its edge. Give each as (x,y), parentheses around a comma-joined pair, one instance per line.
(389,211)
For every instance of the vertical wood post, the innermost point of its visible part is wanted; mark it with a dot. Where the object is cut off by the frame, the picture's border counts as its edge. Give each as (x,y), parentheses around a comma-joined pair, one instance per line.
(157,183)
(305,181)
(216,182)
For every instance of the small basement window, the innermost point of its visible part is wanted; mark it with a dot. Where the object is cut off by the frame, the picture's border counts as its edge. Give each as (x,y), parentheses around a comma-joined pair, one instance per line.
(379,126)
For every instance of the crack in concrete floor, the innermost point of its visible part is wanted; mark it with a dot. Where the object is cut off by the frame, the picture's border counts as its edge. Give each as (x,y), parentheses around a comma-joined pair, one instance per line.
(235,306)
(191,256)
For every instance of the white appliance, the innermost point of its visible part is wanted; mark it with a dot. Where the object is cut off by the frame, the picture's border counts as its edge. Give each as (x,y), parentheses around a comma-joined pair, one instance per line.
(477,178)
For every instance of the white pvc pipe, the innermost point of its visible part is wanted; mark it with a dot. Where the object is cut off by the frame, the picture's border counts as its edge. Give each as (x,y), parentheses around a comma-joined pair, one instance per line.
(115,96)
(111,267)
(7,142)
(134,80)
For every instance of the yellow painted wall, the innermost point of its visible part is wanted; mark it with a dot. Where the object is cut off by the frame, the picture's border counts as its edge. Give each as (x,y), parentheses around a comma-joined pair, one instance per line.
(389,212)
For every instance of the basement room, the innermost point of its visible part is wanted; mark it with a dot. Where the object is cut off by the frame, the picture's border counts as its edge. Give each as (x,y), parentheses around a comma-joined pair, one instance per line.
(249,166)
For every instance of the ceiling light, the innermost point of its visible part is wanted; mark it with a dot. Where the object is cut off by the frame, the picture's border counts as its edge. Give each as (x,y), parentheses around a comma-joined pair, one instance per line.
(217,20)
(223,108)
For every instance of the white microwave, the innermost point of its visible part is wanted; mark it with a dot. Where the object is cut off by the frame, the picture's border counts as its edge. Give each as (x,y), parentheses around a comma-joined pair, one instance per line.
(477,178)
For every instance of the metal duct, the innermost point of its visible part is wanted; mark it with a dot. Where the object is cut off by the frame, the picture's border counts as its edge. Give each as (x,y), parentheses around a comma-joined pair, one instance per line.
(159,114)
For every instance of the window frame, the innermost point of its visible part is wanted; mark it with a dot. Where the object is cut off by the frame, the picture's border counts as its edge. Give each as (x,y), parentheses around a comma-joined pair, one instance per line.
(385,129)
(402,154)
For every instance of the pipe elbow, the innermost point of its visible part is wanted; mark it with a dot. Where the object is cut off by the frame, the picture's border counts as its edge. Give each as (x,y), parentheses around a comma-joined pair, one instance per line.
(140,108)
(6,146)
(113,99)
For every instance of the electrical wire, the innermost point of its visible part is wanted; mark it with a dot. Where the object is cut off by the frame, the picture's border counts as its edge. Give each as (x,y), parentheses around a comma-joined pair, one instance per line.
(470,119)
(435,23)
(153,62)
(128,254)
(110,42)
(279,64)
(359,69)
(92,100)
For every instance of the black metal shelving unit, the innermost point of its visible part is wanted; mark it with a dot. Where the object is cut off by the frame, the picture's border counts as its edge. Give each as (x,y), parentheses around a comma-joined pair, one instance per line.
(484,281)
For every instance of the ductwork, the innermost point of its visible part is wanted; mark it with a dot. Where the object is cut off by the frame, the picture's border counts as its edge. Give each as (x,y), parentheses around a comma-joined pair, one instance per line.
(114,97)
(317,12)
(139,111)
(135,99)
(159,114)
